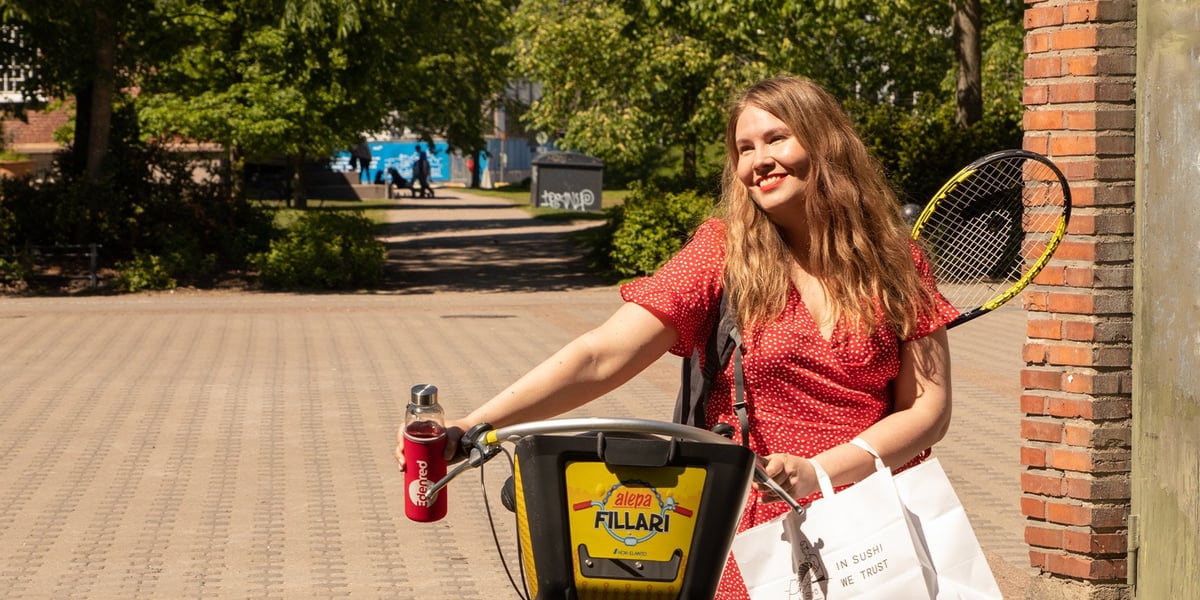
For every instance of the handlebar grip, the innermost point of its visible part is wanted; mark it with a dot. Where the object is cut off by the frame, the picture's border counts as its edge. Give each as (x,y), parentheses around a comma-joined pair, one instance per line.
(470,439)
(469,453)
(468,442)
(761,475)
(723,429)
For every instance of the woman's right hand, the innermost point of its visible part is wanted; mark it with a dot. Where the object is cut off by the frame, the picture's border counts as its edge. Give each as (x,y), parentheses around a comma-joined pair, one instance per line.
(454,433)
(793,473)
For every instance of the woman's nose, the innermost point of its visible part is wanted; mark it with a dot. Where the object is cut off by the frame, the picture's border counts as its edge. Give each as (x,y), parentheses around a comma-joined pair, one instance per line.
(763,160)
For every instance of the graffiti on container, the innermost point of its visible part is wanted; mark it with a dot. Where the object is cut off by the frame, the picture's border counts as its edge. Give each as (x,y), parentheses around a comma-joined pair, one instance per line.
(580,200)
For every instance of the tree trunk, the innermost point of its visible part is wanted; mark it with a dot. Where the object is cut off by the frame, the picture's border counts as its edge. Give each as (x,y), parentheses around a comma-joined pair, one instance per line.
(234,173)
(83,126)
(969,90)
(103,88)
(689,162)
(299,194)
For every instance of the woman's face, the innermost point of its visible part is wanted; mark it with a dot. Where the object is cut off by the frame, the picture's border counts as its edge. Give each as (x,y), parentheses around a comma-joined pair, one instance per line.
(771,163)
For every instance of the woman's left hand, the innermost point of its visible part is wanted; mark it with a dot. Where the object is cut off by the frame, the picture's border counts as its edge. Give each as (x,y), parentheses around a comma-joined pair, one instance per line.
(792,473)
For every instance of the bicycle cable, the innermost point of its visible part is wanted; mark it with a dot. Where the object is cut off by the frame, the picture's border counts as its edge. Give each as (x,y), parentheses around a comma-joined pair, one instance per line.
(487,507)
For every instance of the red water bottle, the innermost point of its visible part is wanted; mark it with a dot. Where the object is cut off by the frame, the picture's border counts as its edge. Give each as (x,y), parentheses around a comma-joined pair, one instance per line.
(424,441)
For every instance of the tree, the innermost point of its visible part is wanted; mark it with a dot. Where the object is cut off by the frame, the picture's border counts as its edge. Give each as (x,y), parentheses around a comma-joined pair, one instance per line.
(90,51)
(295,78)
(967,48)
(313,81)
(629,79)
(622,80)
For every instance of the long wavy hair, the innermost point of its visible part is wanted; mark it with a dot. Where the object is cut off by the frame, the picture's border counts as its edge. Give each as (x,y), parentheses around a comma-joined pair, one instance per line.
(858,243)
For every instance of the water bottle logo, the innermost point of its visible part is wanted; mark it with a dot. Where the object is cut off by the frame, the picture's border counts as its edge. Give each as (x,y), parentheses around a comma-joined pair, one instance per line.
(418,490)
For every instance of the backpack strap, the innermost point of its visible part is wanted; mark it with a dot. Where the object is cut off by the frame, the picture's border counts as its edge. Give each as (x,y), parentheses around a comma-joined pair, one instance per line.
(697,376)
(739,386)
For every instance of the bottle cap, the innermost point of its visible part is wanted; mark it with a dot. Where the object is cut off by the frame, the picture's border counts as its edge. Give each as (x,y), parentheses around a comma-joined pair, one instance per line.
(424,394)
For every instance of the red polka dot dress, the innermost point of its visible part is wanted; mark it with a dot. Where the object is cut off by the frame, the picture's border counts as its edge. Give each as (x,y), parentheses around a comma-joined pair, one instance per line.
(805,393)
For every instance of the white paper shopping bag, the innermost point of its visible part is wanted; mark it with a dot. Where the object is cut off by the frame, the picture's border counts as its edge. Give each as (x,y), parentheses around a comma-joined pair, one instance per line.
(854,544)
(945,533)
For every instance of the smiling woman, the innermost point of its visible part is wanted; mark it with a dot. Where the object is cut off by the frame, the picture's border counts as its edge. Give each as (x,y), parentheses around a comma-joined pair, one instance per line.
(842,325)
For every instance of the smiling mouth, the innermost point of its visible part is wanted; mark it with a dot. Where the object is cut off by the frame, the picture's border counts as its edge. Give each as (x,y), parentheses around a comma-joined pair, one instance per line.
(770,182)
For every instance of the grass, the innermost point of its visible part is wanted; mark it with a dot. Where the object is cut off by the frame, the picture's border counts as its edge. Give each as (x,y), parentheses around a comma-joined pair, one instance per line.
(372,209)
(517,196)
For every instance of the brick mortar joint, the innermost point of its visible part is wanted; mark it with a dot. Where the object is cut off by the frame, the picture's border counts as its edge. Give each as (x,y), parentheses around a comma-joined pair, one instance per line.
(1097,504)
(1089,106)
(1116,24)
(1045,287)
(1059,394)
(1122,344)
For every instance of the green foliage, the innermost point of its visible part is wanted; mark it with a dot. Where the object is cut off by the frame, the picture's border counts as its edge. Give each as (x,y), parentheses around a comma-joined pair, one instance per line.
(14,266)
(150,206)
(8,220)
(145,272)
(920,147)
(651,226)
(313,81)
(642,82)
(623,80)
(324,250)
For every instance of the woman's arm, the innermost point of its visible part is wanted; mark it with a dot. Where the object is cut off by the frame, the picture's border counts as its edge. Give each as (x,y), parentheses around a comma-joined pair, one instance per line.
(920,418)
(591,365)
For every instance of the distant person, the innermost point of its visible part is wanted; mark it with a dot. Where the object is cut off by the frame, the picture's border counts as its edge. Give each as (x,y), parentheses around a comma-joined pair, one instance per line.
(472,176)
(363,154)
(421,173)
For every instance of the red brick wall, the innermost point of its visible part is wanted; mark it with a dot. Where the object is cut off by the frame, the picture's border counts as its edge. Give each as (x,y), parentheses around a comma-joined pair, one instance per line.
(36,135)
(1079,98)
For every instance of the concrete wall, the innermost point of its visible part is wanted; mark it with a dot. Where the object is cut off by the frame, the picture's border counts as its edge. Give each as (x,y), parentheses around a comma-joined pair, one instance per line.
(1166,409)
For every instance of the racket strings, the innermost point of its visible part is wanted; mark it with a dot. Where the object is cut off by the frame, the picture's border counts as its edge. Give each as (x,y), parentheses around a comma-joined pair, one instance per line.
(977,234)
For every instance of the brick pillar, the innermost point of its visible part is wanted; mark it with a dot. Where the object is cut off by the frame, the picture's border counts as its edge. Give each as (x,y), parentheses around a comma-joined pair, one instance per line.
(1079,99)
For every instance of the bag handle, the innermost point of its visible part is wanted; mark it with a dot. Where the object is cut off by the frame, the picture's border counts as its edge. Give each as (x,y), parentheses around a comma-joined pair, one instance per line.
(823,477)
(861,443)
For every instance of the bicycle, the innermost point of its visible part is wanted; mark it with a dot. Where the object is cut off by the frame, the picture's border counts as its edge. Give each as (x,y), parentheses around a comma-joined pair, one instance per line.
(625,508)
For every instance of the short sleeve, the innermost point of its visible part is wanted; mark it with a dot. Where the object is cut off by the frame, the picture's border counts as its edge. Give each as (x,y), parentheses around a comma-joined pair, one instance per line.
(943,312)
(686,291)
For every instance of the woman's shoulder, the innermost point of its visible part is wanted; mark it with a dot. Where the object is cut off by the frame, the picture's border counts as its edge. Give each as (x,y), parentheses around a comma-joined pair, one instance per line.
(712,226)
(710,232)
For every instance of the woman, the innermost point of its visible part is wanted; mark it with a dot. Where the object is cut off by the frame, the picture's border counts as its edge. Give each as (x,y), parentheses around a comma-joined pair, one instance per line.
(843,328)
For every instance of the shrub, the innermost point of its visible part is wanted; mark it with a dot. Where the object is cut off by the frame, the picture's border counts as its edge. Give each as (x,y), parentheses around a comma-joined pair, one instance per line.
(324,250)
(180,258)
(652,226)
(145,272)
(150,204)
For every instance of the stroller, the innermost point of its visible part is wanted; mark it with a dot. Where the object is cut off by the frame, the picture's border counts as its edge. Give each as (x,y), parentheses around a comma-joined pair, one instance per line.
(397,182)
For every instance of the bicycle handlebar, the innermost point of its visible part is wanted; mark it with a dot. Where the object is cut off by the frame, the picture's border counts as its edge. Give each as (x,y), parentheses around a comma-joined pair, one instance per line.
(609,425)
(484,443)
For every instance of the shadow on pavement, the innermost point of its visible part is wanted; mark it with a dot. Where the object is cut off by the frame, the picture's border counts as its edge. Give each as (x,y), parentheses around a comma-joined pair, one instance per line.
(466,244)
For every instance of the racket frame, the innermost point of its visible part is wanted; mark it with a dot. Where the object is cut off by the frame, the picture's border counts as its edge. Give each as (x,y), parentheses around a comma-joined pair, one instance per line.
(1056,236)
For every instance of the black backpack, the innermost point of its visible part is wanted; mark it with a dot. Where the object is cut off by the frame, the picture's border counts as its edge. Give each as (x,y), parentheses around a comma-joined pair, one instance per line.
(724,341)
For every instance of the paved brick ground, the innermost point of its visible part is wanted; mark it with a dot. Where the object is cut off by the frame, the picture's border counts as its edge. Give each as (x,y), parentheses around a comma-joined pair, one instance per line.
(231,445)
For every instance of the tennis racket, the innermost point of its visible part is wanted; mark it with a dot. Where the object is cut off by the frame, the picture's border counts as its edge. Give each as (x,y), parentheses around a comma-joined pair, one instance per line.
(993,227)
